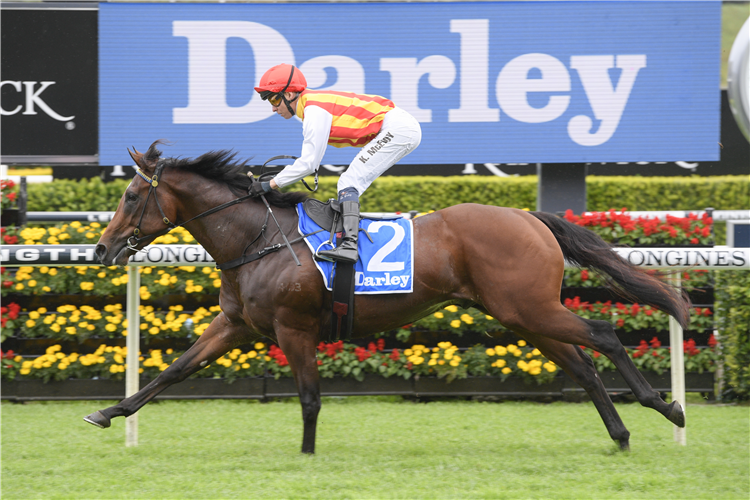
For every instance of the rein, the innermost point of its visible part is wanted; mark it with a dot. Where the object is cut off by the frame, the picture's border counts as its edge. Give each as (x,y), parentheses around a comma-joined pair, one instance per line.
(153,182)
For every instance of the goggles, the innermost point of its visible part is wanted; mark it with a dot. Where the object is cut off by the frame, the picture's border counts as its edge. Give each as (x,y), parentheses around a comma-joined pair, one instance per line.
(274,98)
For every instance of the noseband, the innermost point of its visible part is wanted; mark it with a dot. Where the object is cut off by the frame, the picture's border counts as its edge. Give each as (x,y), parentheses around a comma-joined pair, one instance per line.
(153,184)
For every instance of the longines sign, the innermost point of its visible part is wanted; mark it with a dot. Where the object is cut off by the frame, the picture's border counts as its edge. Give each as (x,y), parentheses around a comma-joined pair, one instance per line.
(195,255)
(490,82)
(48,92)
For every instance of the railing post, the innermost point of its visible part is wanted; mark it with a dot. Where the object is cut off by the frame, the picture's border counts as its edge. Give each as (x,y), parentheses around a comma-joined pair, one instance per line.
(133,345)
(677,358)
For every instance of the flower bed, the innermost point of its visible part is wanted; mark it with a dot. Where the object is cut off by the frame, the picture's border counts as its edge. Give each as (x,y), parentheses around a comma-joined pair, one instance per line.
(339,359)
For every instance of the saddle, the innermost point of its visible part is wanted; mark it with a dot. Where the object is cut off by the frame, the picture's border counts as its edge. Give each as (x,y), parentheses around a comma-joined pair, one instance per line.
(324,214)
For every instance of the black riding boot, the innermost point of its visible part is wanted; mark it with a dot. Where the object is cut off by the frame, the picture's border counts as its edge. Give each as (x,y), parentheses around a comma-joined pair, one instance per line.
(347,250)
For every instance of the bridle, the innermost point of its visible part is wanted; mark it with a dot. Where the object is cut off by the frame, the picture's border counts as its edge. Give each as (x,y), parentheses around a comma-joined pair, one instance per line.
(133,241)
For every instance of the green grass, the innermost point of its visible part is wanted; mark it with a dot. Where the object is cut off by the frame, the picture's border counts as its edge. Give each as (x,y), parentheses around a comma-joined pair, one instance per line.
(372,448)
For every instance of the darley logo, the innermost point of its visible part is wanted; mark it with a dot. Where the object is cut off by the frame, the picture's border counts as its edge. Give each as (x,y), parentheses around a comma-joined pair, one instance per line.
(207,41)
(33,100)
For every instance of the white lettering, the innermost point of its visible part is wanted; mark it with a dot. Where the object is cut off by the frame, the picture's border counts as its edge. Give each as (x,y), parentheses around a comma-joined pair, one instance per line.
(17,86)
(405,75)
(513,84)
(207,42)
(404,281)
(475,50)
(87,254)
(27,254)
(368,281)
(350,75)
(54,253)
(32,97)
(608,103)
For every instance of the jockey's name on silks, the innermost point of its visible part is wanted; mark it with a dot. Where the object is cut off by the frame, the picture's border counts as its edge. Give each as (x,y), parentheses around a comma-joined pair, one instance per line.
(385,266)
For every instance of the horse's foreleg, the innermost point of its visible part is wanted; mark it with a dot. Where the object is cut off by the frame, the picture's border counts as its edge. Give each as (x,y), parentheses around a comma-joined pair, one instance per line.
(579,366)
(299,348)
(217,339)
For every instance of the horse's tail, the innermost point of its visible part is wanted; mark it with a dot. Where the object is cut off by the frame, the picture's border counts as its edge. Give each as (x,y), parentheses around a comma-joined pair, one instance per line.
(585,248)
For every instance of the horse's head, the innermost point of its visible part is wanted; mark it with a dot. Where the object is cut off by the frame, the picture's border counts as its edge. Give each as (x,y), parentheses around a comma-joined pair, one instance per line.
(146,210)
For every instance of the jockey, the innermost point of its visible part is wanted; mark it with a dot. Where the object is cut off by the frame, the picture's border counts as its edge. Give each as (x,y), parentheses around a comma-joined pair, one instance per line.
(385,133)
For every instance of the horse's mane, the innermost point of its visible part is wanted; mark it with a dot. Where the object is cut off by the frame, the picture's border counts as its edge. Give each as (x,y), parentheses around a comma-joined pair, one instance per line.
(220,165)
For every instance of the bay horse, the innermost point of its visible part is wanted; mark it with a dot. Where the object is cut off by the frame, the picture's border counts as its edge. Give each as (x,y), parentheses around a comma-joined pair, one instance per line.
(505,262)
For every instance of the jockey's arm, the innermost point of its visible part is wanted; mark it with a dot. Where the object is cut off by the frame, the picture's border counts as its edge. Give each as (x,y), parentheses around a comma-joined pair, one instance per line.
(316,128)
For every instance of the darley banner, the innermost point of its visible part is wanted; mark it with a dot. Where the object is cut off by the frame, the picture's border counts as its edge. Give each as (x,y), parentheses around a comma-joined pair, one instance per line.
(505,82)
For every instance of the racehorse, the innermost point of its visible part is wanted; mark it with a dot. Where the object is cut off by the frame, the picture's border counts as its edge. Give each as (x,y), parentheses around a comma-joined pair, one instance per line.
(507,263)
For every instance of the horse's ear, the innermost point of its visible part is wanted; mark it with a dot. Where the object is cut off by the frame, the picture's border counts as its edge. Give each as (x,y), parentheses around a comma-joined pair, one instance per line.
(137,157)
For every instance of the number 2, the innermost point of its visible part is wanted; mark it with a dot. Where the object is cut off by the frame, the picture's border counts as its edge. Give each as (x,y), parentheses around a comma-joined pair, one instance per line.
(376,263)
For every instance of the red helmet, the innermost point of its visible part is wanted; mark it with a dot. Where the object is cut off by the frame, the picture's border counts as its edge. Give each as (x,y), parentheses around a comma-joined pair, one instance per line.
(281,78)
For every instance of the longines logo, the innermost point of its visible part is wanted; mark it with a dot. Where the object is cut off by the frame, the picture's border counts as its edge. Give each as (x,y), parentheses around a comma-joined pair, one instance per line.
(33,100)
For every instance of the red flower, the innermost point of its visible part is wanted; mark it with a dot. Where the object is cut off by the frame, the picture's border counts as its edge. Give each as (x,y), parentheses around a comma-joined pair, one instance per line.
(372,347)
(712,341)
(10,240)
(584,275)
(7,284)
(621,322)
(395,355)
(694,241)
(362,353)
(655,343)
(320,362)
(596,354)
(381,344)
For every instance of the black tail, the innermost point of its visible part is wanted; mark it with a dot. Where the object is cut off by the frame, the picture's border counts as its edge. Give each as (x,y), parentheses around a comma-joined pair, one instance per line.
(585,248)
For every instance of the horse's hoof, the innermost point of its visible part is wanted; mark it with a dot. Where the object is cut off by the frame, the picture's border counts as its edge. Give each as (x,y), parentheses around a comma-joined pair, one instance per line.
(676,414)
(98,419)
(624,445)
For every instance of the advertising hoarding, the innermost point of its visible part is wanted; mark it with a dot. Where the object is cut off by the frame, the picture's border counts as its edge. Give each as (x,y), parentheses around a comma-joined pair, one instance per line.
(48,92)
(506,82)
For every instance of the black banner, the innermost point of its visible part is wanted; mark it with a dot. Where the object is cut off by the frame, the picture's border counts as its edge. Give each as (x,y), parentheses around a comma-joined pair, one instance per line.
(49,89)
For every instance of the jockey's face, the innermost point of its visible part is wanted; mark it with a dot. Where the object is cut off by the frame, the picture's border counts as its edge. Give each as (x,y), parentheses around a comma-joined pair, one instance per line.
(282,108)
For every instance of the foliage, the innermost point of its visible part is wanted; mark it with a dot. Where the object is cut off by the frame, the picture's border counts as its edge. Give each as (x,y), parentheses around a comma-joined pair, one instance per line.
(340,359)
(8,194)
(424,193)
(69,322)
(623,229)
(732,294)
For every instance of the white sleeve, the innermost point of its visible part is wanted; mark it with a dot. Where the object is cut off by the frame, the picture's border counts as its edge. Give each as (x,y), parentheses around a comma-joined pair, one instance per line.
(316,128)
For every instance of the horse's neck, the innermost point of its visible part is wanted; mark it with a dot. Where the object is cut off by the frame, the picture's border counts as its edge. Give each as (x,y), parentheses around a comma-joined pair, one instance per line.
(226,234)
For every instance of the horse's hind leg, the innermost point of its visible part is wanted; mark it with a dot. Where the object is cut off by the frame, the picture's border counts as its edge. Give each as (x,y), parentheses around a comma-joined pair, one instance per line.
(564,326)
(578,365)
(217,339)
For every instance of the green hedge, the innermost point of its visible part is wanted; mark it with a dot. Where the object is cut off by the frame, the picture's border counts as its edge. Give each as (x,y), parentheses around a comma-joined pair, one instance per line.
(424,193)
(732,307)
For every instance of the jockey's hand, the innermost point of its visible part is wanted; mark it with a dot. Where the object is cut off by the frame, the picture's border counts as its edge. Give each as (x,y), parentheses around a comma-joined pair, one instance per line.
(258,188)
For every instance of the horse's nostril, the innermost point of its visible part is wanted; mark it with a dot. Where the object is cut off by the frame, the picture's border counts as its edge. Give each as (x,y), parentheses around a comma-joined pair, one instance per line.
(100,250)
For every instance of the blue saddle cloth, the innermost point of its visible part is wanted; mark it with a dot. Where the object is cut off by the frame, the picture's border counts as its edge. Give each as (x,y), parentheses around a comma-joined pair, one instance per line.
(385,266)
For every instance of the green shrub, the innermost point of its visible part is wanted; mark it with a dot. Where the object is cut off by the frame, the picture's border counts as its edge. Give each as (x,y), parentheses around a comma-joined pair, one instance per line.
(425,193)
(732,306)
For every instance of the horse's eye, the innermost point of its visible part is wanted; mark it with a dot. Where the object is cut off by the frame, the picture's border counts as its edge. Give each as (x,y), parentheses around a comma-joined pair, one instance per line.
(131,197)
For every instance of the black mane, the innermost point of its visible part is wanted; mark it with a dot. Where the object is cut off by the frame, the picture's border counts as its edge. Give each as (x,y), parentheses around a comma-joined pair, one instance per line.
(221,166)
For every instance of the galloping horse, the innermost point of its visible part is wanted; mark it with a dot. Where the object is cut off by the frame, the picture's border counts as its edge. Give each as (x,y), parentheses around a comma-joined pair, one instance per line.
(505,262)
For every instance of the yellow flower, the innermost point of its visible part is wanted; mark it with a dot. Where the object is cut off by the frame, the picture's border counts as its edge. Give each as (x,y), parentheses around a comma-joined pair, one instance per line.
(500,350)
(432,362)
(467,319)
(536,352)
(488,317)
(55,327)
(32,283)
(19,286)
(499,363)
(53,272)
(259,345)
(439,315)
(550,367)
(30,323)
(456,323)
(87,285)
(490,352)
(529,355)
(521,343)
(452,308)
(512,348)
